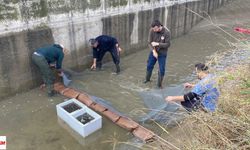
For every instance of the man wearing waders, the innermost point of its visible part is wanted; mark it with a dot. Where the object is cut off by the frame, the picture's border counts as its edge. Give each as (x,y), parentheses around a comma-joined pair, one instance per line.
(101,45)
(159,42)
(43,58)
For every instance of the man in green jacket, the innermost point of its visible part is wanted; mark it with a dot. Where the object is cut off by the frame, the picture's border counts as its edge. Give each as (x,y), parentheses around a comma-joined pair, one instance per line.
(43,58)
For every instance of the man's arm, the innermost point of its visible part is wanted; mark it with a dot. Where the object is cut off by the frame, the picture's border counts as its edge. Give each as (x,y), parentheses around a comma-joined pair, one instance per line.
(151,44)
(94,58)
(166,43)
(187,97)
(94,64)
(150,39)
(174,98)
(59,62)
(188,85)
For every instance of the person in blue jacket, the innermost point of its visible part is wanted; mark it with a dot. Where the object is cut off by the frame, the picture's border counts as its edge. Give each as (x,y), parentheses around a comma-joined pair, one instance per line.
(43,58)
(203,95)
(101,45)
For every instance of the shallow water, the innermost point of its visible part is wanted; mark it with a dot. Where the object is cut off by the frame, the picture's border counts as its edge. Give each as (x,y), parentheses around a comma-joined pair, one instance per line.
(29,120)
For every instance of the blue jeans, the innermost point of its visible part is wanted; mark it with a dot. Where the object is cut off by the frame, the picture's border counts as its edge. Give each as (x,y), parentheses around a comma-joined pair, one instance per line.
(161,61)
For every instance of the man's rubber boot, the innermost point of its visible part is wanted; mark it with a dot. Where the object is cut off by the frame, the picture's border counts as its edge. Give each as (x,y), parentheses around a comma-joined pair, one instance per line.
(148,76)
(159,81)
(99,65)
(118,69)
(51,91)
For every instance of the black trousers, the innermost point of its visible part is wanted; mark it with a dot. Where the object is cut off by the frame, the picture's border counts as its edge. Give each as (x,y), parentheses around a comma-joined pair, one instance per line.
(114,53)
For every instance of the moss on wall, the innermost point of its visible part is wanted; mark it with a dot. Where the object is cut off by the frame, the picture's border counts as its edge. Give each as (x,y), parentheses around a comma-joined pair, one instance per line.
(136,1)
(79,5)
(10,1)
(58,6)
(62,6)
(94,4)
(41,8)
(44,8)
(8,10)
(116,3)
(38,9)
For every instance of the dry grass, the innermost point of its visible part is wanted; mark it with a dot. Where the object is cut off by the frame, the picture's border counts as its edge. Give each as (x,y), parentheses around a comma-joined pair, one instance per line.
(229,127)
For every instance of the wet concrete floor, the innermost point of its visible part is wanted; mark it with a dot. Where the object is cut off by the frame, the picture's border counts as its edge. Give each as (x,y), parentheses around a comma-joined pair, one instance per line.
(29,119)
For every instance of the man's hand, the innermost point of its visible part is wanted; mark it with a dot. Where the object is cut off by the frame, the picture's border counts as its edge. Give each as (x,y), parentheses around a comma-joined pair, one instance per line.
(93,67)
(188,85)
(154,44)
(170,99)
(52,65)
(119,49)
(60,73)
(42,86)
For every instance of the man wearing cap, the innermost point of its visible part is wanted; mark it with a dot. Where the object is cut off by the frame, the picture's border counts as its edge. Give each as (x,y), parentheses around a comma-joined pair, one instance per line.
(159,42)
(101,45)
(46,56)
(204,95)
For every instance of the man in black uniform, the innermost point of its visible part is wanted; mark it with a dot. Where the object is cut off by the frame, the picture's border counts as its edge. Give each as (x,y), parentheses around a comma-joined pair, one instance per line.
(43,58)
(101,45)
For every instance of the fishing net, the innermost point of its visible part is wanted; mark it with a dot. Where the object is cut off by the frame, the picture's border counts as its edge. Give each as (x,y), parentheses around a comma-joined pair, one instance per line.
(158,109)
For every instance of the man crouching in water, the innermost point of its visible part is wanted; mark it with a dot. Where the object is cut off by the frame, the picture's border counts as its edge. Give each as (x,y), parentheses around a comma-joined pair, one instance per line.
(204,94)
(101,45)
(43,58)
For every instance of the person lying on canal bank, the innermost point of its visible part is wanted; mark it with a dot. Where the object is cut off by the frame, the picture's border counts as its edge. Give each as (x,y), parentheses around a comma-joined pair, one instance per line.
(101,45)
(204,95)
(43,58)
(159,42)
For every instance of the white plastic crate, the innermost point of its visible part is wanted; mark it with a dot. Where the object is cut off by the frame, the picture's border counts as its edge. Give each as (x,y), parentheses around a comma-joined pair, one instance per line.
(71,117)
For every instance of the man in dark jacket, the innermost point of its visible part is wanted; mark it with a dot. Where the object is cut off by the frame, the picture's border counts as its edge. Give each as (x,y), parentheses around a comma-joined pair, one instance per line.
(101,45)
(159,42)
(43,58)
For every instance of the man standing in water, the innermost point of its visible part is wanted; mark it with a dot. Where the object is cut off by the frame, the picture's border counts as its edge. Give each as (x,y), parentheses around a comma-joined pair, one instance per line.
(43,58)
(204,94)
(159,42)
(101,45)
